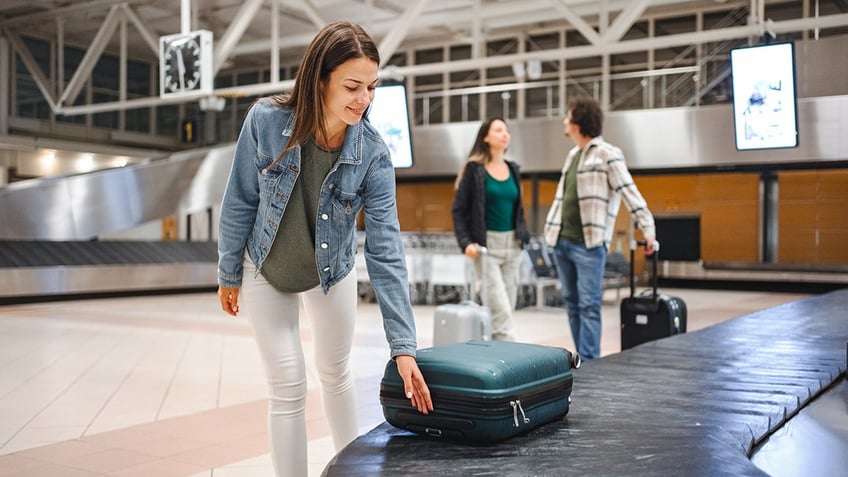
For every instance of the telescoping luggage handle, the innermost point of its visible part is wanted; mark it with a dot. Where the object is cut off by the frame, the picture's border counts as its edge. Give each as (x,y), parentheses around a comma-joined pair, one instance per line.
(654,255)
(484,292)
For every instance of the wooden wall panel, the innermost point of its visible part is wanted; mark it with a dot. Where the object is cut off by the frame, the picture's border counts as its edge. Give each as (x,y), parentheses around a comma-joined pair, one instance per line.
(728,205)
(730,217)
(730,187)
(832,248)
(547,192)
(832,185)
(407,204)
(813,217)
(796,217)
(729,232)
(672,193)
(797,185)
(832,215)
(812,212)
(425,207)
(795,248)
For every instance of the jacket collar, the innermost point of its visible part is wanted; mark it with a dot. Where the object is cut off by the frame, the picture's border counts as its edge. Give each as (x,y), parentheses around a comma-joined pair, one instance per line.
(351,152)
(594,142)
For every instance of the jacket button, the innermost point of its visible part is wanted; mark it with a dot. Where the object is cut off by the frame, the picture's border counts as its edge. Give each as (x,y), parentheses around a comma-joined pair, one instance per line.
(325,216)
(326,269)
(324,245)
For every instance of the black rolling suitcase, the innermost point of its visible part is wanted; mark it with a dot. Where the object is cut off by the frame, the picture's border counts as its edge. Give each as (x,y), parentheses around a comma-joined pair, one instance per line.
(483,391)
(649,317)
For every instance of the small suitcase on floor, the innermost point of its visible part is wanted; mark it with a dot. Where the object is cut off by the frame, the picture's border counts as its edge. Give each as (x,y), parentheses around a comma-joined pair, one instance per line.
(483,391)
(649,317)
(458,322)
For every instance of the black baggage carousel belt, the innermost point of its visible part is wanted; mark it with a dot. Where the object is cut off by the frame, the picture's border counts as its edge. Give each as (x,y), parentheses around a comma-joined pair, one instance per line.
(692,404)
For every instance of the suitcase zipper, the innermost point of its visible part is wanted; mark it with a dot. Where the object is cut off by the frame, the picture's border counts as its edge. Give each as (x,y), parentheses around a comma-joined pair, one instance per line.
(501,406)
(516,406)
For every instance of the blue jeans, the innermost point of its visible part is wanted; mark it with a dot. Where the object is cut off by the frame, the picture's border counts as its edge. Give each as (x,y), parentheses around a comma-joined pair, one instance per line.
(581,273)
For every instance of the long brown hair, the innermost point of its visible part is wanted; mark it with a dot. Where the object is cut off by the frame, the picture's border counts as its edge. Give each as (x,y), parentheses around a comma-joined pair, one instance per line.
(480,151)
(335,44)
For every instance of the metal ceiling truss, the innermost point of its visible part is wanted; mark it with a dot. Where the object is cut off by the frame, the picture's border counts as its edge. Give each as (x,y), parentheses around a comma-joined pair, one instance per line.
(479,22)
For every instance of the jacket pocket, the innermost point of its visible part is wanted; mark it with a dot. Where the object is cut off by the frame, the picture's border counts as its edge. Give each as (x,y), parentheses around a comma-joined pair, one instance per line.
(346,204)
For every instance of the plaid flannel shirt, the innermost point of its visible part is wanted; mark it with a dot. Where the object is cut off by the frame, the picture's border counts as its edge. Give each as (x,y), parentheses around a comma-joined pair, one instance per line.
(602,181)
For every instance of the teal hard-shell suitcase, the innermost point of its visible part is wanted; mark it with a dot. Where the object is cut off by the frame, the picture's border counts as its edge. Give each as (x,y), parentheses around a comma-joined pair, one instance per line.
(483,391)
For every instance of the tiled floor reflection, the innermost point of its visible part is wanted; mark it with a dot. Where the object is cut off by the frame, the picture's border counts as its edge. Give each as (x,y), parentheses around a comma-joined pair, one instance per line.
(170,386)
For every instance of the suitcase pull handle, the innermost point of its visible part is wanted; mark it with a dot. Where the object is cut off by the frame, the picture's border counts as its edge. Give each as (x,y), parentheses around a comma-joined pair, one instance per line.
(654,255)
(516,406)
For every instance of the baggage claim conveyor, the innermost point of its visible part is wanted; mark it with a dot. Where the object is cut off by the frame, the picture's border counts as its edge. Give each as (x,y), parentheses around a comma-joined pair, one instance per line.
(762,394)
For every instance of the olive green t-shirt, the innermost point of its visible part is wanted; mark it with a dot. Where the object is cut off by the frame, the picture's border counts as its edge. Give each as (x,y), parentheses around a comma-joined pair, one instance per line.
(572,226)
(290,266)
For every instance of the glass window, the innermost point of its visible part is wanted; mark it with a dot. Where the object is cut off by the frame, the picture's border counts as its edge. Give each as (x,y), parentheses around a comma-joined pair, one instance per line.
(167,120)
(138,120)
(30,103)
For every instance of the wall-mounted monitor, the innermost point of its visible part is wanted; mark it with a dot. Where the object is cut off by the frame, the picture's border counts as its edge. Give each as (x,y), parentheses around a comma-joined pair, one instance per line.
(390,115)
(764,106)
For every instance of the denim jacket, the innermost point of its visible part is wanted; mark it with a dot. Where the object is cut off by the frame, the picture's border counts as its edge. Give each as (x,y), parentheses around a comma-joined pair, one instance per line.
(363,177)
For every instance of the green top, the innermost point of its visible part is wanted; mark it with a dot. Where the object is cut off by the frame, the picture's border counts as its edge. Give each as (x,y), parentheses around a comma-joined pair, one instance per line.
(572,226)
(501,200)
(290,266)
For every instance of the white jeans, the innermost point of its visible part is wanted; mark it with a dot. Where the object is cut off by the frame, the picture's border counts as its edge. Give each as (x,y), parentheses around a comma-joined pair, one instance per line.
(503,262)
(274,316)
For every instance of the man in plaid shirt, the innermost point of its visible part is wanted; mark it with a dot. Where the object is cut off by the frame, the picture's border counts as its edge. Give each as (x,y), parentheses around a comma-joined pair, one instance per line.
(581,219)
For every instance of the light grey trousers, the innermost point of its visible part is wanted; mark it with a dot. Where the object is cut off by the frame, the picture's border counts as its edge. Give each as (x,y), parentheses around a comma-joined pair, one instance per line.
(503,263)
(275,320)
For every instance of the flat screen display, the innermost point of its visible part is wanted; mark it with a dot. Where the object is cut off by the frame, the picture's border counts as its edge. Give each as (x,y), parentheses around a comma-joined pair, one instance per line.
(390,115)
(764,111)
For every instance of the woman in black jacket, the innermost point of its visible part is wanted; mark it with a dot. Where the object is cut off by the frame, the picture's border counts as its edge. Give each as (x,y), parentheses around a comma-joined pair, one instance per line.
(487,212)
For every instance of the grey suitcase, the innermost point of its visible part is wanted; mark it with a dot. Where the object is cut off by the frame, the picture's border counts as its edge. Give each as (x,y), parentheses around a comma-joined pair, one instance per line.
(459,322)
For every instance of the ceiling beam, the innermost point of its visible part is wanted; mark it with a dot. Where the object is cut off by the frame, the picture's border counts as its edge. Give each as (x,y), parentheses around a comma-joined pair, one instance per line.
(396,35)
(92,54)
(430,19)
(577,22)
(41,81)
(224,47)
(683,39)
(629,46)
(625,20)
(311,13)
(149,38)
(60,12)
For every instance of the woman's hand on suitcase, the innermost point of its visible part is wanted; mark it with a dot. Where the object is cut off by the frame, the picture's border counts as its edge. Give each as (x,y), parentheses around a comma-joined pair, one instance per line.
(413,383)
